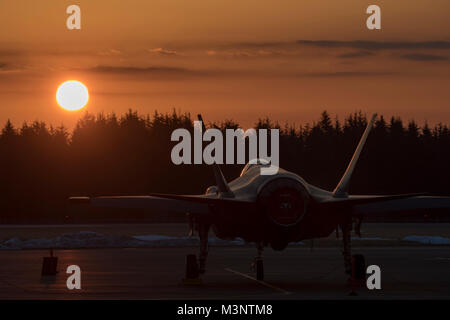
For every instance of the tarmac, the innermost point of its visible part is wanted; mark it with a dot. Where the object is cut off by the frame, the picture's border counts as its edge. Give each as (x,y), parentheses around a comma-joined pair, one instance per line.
(409,272)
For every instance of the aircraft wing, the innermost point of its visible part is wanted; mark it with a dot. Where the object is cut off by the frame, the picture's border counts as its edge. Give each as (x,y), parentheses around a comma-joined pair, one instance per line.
(404,206)
(372,205)
(170,203)
(355,200)
(157,204)
(208,199)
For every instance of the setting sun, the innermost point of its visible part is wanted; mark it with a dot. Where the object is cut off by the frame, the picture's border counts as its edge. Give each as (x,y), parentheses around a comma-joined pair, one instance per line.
(72,95)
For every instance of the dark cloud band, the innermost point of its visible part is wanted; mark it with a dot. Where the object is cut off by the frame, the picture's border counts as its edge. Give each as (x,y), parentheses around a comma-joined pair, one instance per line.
(374,45)
(423,57)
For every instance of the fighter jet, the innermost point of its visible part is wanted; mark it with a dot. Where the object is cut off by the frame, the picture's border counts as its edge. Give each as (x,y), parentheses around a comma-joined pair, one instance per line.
(269,210)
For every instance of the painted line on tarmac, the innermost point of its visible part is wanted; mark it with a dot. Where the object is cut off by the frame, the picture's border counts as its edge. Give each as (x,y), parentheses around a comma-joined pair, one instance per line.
(268,285)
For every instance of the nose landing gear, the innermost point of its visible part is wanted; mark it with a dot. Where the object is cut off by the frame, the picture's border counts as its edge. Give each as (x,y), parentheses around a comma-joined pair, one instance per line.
(259,269)
(258,264)
(194,267)
(355,265)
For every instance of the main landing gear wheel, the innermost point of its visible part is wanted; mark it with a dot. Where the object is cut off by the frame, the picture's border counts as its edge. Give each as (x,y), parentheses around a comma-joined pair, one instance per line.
(358,267)
(192,270)
(258,262)
(259,269)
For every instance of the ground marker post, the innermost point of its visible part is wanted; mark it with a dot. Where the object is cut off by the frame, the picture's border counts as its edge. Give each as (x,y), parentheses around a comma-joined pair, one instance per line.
(50,265)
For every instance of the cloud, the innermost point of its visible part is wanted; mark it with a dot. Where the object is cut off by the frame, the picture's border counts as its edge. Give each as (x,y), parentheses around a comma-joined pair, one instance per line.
(248,53)
(361,49)
(169,72)
(11,67)
(10,53)
(356,54)
(258,45)
(159,72)
(423,57)
(163,51)
(138,70)
(110,52)
(374,45)
(339,74)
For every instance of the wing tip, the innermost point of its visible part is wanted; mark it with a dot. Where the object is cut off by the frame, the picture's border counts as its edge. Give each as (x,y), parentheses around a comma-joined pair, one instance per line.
(79,200)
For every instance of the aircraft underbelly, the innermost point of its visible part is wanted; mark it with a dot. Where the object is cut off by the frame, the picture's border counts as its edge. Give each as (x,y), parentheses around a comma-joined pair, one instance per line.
(256,228)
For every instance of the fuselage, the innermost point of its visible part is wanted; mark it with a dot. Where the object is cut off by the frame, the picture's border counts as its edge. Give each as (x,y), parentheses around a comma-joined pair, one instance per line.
(287,209)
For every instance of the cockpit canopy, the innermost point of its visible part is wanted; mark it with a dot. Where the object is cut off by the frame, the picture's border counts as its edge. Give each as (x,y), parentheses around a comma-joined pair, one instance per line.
(254,163)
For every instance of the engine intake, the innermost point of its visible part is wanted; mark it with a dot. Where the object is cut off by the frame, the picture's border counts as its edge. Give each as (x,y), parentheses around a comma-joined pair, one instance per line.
(284,201)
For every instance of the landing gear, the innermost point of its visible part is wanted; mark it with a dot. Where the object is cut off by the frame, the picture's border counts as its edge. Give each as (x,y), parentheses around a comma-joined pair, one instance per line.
(259,269)
(355,265)
(358,267)
(196,267)
(203,230)
(191,267)
(347,250)
(258,263)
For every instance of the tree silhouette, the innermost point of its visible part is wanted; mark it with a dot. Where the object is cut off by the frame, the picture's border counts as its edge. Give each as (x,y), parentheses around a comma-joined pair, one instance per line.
(41,166)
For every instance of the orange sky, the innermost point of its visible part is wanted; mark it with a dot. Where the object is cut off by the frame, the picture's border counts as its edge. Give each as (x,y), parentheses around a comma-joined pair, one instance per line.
(286,59)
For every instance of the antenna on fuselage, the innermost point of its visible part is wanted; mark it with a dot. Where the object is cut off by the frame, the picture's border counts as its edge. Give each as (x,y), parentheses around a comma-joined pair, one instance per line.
(221,183)
(342,188)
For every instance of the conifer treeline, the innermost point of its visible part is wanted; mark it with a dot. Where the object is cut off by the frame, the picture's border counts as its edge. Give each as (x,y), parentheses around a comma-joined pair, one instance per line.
(41,166)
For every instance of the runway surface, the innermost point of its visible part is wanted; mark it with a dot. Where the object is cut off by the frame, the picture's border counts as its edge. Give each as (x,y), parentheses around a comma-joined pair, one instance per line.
(411,272)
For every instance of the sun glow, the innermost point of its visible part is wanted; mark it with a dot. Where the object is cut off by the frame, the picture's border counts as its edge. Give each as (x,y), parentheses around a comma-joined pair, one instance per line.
(72,95)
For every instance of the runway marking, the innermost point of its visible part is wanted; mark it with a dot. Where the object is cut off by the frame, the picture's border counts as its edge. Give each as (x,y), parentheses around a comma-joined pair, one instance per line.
(271,286)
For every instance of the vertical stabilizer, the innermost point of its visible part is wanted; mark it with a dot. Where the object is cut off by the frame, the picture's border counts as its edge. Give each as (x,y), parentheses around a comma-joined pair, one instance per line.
(221,183)
(342,188)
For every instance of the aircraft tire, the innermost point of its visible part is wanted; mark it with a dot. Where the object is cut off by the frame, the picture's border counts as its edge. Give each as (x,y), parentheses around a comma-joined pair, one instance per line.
(359,267)
(192,270)
(259,270)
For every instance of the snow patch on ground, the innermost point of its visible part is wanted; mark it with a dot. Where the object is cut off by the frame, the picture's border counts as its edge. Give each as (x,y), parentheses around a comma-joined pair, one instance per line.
(370,239)
(428,239)
(186,241)
(87,239)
